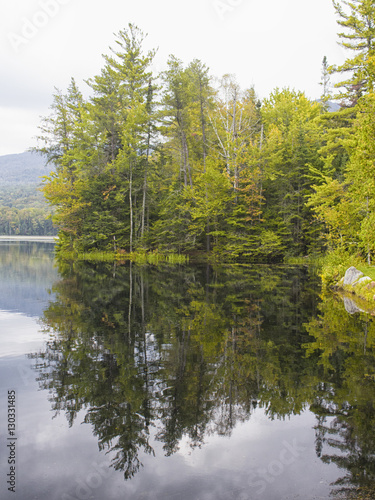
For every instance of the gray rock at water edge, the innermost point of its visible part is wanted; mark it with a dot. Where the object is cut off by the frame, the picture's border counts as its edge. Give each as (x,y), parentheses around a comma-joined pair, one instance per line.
(351,307)
(364,279)
(352,275)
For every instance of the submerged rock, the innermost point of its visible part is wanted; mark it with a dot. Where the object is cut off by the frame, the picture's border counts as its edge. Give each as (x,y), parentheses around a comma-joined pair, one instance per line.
(359,287)
(352,275)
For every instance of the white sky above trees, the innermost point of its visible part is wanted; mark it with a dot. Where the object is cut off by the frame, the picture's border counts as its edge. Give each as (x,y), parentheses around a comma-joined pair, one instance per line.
(266,44)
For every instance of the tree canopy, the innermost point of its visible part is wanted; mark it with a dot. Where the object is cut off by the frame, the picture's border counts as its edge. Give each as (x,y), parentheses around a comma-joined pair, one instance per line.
(183,162)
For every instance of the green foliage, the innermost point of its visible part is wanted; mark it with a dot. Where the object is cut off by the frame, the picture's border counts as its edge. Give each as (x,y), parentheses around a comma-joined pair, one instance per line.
(292,122)
(140,258)
(345,191)
(27,222)
(347,207)
(181,166)
(357,20)
(23,209)
(335,263)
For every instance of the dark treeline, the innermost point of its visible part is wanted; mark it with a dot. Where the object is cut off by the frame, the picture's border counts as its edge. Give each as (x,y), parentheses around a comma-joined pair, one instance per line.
(182,162)
(23,211)
(23,208)
(26,221)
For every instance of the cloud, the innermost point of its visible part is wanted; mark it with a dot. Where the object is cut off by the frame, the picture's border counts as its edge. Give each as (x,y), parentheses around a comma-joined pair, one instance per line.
(18,128)
(267,44)
(16,93)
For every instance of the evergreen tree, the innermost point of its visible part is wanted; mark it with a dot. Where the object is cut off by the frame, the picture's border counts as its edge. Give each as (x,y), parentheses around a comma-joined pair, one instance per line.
(176,104)
(343,198)
(202,169)
(292,118)
(357,18)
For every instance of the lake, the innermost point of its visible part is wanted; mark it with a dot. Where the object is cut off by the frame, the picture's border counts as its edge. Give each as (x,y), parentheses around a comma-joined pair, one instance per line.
(184,382)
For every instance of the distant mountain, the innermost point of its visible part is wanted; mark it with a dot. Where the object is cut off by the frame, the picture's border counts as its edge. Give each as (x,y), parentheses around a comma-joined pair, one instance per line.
(22,169)
(332,107)
(23,208)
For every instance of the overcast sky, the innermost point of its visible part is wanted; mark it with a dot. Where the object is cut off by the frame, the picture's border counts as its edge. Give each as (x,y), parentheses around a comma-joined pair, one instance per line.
(266,44)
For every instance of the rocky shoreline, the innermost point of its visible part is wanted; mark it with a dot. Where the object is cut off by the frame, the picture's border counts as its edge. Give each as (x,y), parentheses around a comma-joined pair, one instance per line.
(357,291)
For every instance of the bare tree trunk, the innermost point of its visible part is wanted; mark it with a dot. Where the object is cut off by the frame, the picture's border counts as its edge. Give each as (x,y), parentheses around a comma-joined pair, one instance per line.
(204,165)
(234,137)
(183,164)
(261,177)
(144,203)
(131,205)
(145,184)
(187,167)
(203,126)
(130,300)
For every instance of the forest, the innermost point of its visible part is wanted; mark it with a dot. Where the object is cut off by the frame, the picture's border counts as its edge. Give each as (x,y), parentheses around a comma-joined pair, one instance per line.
(187,163)
(23,208)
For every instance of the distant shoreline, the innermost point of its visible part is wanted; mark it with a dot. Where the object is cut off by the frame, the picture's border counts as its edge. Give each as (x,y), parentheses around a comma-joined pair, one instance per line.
(43,239)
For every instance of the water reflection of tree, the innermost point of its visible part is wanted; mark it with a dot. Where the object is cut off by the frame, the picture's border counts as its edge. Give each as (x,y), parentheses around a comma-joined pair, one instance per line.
(174,352)
(345,402)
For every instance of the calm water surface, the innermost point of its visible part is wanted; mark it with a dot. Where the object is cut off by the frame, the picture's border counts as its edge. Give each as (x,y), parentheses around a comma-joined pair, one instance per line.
(191,383)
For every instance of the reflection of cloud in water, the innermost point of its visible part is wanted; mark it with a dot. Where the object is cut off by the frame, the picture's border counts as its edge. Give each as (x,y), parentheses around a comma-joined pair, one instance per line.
(222,469)
(174,374)
(26,275)
(57,460)
(19,334)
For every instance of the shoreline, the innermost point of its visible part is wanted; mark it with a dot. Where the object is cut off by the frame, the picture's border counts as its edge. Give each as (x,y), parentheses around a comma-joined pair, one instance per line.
(357,291)
(42,239)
